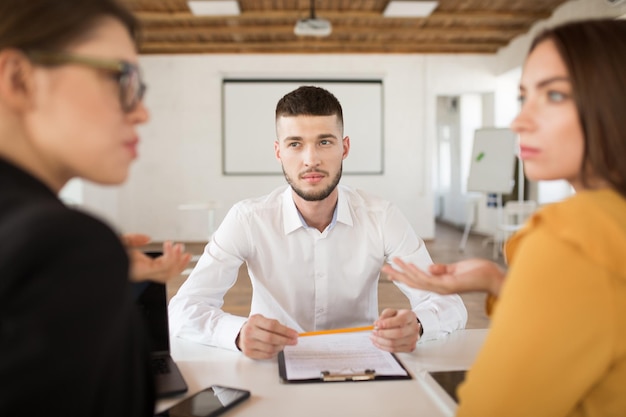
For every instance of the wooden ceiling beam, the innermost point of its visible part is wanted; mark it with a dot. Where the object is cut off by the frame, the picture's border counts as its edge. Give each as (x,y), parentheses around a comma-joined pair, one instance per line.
(185,31)
(269,15)
(266,26)
(319,47)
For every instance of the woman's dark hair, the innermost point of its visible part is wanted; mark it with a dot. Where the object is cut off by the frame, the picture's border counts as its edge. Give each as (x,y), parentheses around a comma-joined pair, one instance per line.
(594,52)
(309,101)
(53,24)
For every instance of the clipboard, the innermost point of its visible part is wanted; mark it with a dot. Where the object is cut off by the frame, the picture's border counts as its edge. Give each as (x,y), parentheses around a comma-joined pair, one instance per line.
(338,357)
(338,376)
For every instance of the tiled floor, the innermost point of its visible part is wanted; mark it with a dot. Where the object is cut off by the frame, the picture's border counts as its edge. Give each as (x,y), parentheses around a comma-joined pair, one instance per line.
(444,248)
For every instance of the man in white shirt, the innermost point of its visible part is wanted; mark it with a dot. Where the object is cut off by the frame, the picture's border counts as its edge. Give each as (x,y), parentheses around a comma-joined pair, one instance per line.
(313,249)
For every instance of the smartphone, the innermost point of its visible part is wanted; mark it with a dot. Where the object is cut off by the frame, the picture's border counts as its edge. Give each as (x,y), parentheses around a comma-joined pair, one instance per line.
(210,402)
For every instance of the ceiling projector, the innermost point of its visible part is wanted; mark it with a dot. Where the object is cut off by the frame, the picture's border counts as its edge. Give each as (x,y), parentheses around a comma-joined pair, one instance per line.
(312,27)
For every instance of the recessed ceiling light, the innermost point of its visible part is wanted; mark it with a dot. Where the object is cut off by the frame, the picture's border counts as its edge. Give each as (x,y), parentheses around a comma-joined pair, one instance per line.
(401,8)
(214,7)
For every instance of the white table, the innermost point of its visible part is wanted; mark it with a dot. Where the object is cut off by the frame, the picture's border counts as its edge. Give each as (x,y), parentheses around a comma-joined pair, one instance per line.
(203,366)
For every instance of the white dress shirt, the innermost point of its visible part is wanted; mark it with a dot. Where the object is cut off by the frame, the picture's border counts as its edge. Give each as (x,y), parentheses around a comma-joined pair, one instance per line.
(306,279)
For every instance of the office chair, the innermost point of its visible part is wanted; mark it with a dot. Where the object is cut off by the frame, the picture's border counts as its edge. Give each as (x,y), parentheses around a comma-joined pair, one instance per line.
(513,216)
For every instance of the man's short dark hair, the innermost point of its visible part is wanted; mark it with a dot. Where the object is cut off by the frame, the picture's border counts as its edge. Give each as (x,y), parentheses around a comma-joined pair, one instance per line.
(309,101)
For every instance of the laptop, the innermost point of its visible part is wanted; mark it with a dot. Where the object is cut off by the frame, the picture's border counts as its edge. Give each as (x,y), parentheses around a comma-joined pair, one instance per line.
(151,298)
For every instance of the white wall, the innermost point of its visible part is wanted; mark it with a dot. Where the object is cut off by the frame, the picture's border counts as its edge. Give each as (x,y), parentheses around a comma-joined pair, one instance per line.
(180,154)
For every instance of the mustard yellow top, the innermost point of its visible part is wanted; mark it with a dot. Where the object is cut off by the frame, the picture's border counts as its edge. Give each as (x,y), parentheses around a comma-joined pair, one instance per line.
(557,343)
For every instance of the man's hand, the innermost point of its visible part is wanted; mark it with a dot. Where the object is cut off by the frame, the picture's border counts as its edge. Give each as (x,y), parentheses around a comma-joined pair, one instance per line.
(396,331)
(263,338)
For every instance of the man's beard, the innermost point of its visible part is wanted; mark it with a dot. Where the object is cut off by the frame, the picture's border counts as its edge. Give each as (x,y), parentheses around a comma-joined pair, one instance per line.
(316,195)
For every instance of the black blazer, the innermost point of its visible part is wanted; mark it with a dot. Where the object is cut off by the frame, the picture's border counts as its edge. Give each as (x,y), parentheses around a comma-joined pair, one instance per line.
(71,340)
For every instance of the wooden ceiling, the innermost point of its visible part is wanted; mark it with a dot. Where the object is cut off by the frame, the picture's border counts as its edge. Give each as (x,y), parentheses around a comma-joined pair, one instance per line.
(358,26)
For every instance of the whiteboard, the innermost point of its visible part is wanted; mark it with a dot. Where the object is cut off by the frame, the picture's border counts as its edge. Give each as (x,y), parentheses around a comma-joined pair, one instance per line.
(249,131)
(492,167)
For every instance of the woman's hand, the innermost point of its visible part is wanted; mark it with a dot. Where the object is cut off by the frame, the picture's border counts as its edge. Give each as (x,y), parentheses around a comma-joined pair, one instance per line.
(160,269)
(459,277)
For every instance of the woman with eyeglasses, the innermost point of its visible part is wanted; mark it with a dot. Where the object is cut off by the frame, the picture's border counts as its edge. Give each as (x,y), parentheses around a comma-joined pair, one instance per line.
(557,340)
(71,343)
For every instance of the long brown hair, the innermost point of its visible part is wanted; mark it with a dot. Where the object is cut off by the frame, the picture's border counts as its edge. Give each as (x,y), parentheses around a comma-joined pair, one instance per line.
(594,52)
(53,24)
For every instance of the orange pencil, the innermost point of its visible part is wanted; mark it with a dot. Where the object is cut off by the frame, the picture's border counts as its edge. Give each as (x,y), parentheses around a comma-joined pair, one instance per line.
(333,331)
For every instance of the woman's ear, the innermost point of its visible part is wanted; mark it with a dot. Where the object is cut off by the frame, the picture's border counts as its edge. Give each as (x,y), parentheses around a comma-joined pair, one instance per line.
(16,79)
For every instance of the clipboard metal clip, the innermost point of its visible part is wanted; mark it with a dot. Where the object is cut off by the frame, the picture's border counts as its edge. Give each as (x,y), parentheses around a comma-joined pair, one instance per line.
(367,375)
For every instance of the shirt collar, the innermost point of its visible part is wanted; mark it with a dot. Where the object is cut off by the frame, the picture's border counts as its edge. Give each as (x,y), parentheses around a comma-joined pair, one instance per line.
(292,219)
